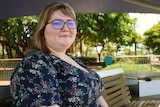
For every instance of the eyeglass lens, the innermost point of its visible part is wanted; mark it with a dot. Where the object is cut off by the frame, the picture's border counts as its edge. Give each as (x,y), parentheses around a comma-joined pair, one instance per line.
(59,24)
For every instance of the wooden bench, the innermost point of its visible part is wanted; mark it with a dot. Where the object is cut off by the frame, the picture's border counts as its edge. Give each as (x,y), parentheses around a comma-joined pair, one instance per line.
(117,93)
(4,91)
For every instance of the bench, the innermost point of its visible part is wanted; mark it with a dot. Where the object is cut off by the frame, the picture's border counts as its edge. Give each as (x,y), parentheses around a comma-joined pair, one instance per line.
(116,91)
(5,96)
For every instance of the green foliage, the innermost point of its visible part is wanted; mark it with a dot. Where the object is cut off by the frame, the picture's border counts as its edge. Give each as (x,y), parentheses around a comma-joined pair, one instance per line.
(94,29)
(97,29)
(130,66)
(133,64)
(17,34)
(88,60)
(143,61)
(152,40)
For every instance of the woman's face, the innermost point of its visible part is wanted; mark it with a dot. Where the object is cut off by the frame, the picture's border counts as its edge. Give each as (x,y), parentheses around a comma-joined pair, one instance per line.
(59,40)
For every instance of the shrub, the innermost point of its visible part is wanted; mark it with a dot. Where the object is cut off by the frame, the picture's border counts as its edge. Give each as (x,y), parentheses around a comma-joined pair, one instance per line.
(88,60)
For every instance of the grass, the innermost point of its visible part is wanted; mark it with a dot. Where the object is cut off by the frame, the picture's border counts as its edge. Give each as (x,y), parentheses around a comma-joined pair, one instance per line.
(130,66)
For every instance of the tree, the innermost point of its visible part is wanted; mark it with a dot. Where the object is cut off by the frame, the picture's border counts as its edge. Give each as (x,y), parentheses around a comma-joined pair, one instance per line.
(94,30)
(123,31)
(98,28)
(85,33)
(17,33)
(152,40)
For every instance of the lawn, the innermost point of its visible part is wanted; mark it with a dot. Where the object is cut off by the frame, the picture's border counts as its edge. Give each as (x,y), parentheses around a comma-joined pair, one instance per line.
(127,67)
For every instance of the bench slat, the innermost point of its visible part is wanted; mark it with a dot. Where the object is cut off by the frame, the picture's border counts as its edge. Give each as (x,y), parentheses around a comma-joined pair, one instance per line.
(116,91)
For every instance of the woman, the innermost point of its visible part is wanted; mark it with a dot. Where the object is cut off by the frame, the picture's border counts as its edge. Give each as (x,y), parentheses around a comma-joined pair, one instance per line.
(47,76)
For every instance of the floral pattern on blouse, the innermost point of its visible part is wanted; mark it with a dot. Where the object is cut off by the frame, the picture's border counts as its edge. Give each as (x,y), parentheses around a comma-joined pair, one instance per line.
(44,79)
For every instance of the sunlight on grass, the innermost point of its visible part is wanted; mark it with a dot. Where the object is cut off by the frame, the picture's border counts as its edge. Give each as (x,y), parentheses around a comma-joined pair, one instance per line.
(131,67)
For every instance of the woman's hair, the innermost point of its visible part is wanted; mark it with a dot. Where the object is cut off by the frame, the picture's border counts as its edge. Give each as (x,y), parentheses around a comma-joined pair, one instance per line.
(39,41)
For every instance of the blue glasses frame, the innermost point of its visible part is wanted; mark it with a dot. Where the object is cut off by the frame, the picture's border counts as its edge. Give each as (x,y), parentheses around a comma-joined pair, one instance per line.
(59,24)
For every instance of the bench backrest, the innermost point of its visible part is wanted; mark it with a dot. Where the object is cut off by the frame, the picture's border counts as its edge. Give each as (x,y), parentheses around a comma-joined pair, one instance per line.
(116,91)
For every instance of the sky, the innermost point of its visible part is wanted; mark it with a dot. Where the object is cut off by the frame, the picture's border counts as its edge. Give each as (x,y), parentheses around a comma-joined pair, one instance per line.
(145,21)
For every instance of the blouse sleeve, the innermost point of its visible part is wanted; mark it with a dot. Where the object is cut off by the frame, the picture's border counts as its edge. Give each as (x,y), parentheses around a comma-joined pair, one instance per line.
(35,83)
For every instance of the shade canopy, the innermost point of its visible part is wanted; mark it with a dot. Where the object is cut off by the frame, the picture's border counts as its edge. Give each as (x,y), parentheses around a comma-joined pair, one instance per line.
(14,8)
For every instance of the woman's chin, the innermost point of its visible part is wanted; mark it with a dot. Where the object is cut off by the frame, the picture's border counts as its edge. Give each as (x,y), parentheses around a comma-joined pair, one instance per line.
(66,43)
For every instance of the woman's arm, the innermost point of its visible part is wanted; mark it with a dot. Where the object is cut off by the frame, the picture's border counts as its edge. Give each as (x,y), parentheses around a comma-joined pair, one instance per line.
(54,105)
(102,102)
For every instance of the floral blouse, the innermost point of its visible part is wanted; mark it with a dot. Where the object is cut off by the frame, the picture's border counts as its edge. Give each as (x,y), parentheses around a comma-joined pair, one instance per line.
(44,79)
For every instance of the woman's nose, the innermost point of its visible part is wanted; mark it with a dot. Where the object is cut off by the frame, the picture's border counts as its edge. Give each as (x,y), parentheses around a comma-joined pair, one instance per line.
(65,27)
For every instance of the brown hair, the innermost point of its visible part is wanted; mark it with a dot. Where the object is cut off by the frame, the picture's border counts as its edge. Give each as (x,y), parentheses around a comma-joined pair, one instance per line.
(39,41)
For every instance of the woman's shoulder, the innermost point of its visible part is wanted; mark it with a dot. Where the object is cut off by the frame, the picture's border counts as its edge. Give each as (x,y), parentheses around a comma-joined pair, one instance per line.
(36,55)
(33,59)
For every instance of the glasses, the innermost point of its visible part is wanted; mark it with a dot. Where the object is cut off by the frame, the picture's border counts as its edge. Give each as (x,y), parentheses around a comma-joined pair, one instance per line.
(59,24)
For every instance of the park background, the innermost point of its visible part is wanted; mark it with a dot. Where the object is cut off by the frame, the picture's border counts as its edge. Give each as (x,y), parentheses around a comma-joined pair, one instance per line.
(123,37)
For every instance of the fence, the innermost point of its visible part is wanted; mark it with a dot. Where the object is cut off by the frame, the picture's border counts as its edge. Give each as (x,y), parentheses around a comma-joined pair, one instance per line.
(134,63)
(7,66)
(139,62)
